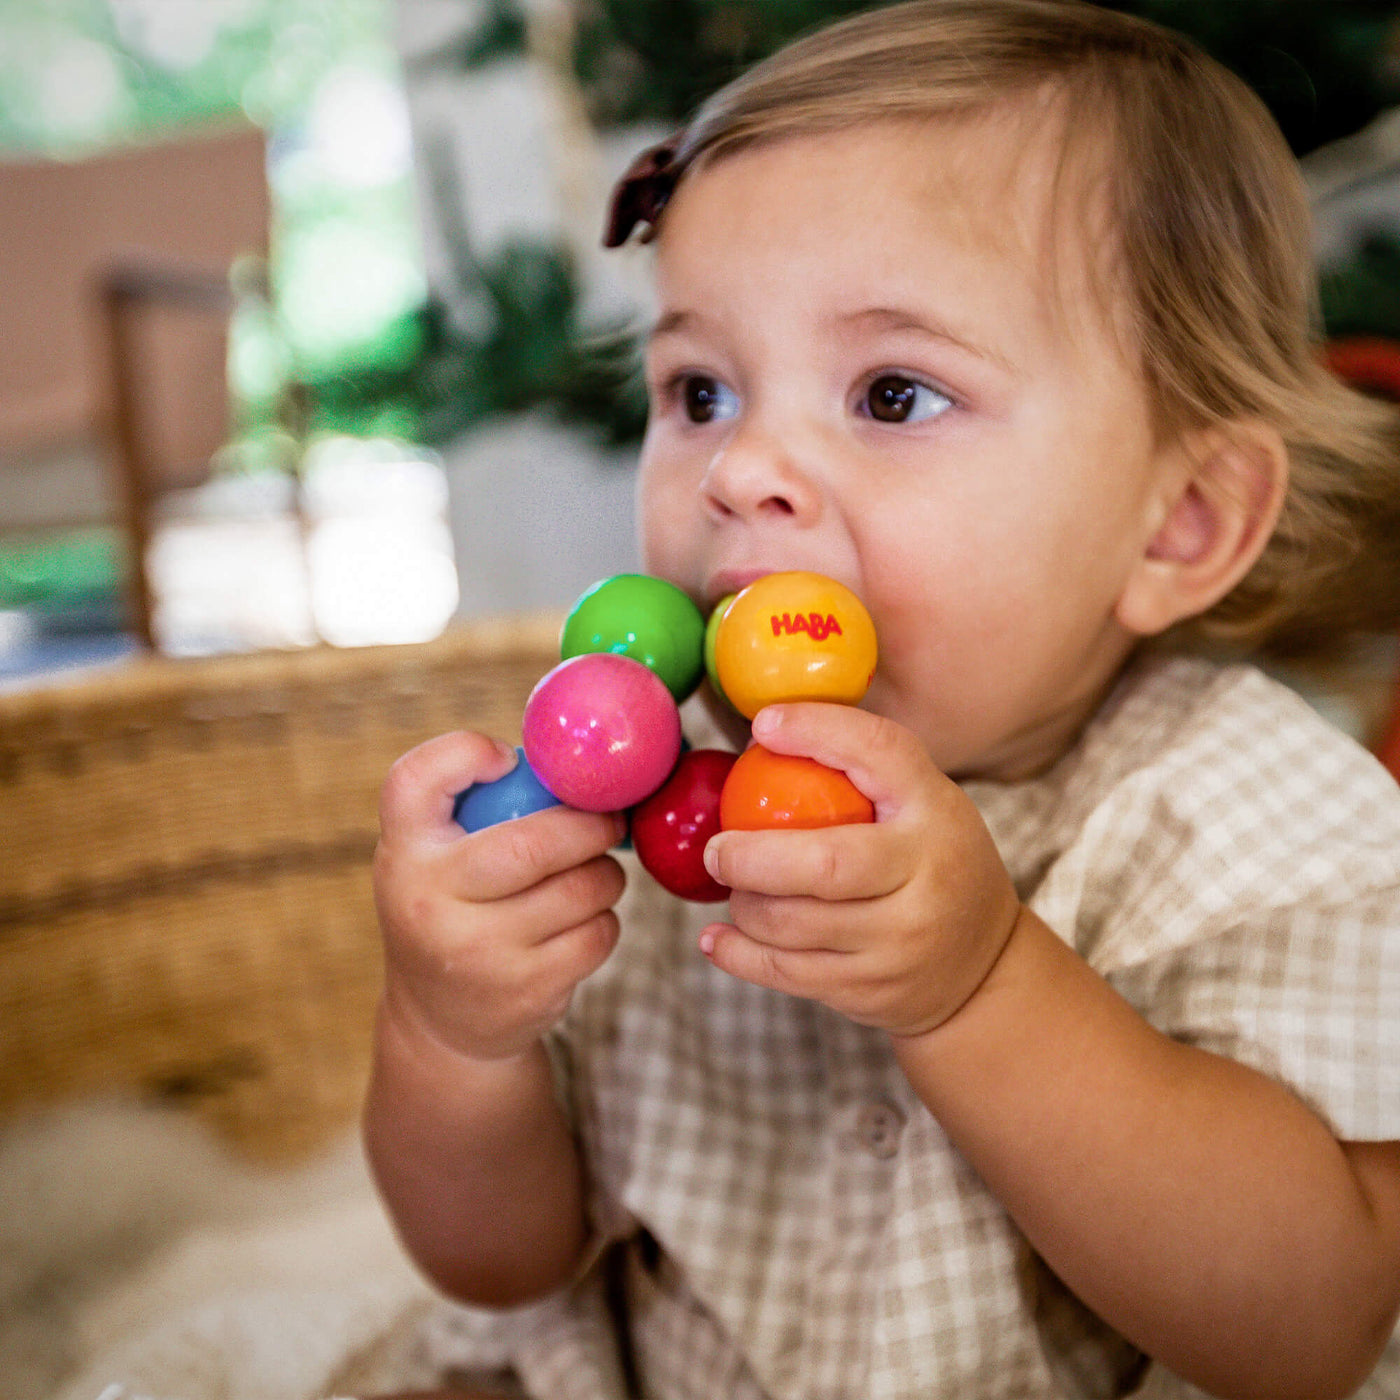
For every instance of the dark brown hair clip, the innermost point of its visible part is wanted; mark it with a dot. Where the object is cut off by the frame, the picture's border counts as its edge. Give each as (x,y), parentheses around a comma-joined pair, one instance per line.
(641,194)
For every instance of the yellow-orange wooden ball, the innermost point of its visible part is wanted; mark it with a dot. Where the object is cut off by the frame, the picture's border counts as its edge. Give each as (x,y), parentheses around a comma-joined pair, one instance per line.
(794,636)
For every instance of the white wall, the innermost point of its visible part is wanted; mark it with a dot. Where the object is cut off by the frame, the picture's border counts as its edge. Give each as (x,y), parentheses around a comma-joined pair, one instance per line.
(537,516)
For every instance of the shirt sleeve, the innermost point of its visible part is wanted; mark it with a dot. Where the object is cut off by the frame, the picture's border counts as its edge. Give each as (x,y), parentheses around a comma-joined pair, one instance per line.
(1308,995)
(1237,879)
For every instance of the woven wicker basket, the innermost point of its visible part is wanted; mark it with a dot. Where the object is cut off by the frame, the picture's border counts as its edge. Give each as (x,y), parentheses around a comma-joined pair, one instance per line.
(185,908)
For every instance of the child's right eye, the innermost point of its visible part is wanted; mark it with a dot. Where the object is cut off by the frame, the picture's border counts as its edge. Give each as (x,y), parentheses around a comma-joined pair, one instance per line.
(707,400)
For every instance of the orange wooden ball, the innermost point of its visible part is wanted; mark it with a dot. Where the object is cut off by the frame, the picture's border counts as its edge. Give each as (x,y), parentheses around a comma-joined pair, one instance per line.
(765,790)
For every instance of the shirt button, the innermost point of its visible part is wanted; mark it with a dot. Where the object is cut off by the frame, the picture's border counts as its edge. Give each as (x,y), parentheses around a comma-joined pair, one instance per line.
(878,1126)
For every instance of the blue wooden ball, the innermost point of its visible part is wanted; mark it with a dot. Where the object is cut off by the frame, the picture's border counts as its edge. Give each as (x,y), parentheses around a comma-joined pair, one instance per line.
(518,794)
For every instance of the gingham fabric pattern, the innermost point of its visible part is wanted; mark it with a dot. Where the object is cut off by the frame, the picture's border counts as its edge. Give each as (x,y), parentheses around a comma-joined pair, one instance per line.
(788,1221)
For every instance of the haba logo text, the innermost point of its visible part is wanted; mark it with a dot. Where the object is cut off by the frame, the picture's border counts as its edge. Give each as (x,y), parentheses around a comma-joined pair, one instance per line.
(816,626)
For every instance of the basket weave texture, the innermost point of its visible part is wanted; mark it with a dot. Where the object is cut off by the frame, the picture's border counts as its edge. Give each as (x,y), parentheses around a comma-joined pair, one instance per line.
(185,907)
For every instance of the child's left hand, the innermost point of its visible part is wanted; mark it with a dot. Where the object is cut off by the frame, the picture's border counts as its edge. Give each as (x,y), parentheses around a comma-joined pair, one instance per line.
(893,924)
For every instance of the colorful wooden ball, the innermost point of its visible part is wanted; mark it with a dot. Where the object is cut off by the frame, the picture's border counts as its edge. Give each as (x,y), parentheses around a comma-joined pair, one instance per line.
(794,636)
(518,794)
(766,789)
(646,618)
(602,731)
(711,632)
(670,829)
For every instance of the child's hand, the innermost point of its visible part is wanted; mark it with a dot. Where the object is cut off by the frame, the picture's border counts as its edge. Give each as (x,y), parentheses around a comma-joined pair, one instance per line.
(894,924)
(486,935)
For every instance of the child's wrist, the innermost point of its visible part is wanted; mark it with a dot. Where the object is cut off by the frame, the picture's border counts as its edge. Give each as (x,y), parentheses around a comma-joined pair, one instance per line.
(405,1030)
(1020,926)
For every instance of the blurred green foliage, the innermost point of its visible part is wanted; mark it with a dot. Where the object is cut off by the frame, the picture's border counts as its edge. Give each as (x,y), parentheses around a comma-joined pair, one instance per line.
(1361,297)
(76,75)
(75,570)
(1325,67)
(532,352)
(637,60)
(349,321)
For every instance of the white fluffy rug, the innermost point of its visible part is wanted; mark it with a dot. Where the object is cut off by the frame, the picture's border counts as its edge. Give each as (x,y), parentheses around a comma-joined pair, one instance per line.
(138,1259)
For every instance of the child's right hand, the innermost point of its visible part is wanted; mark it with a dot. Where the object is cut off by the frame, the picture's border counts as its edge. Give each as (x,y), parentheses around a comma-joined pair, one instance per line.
(487,934)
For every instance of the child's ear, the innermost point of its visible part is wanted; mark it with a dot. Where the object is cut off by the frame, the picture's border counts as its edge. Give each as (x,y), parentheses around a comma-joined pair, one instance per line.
(1222,490)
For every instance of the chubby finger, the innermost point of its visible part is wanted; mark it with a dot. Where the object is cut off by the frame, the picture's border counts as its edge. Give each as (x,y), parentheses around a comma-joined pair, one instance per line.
(801,972)
(834,863)
(802,923)
(512,857)
(562,900)
(573,953)
(417,797)
(883,759)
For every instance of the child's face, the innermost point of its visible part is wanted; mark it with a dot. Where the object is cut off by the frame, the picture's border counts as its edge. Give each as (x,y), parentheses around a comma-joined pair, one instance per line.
(859,368)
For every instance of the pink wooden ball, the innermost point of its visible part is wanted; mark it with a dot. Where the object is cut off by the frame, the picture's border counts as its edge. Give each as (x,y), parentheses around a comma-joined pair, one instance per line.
(602,731)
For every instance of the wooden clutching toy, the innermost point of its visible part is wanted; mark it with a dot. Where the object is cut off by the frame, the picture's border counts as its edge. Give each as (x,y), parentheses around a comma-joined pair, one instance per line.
(602,730)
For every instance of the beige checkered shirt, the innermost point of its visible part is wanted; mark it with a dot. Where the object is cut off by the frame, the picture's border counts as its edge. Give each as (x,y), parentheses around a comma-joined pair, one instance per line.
(799,1226)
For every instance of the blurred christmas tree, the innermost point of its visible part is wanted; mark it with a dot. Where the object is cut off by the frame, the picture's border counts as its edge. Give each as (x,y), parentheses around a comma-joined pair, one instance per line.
(1326,68)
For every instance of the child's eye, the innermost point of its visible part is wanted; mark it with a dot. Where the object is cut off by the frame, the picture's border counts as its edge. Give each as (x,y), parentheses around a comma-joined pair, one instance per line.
(895,398)
(707,400)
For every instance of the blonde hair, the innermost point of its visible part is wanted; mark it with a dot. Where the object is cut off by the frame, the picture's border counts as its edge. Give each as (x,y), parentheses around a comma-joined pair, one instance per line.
(1215,249)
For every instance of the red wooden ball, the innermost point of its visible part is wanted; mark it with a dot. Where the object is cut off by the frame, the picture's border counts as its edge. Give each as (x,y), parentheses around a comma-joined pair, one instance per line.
(670,829)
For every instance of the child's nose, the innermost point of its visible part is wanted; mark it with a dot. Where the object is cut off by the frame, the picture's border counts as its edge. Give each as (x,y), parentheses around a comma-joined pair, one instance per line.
(755,475)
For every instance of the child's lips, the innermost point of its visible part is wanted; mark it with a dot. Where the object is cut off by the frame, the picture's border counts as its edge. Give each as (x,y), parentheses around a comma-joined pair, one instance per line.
(729,581)
(732,580)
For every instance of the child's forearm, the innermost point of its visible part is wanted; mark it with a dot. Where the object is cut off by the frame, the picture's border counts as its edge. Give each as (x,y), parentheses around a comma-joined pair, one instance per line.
(1197,1206)
(477,1166)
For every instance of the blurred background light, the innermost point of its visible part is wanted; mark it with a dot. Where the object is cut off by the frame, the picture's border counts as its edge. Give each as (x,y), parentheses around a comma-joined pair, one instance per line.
(358,128)
(79,90)
(179,34)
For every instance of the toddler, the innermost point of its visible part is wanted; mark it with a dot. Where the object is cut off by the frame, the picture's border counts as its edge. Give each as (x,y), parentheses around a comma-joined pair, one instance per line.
(1077,1073)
